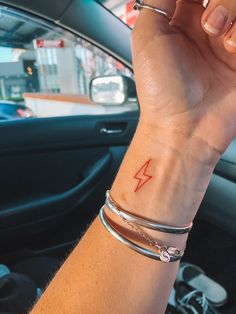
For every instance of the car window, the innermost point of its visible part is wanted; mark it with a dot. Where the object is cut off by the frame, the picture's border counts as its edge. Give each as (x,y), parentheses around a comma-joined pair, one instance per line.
(123,9)
(46,71)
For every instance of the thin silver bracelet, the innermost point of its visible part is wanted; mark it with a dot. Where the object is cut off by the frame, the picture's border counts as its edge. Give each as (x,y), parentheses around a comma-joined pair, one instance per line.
(146,223)
(167,254)
(152,242)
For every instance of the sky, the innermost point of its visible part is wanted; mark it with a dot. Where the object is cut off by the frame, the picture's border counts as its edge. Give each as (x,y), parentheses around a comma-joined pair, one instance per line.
(6,54)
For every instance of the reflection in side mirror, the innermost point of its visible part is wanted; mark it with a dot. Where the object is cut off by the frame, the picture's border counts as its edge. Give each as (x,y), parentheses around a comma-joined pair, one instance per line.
(112,90)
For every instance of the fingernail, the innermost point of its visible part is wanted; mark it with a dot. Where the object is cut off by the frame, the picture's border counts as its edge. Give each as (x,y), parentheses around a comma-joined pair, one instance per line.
(231,42)
(216,20)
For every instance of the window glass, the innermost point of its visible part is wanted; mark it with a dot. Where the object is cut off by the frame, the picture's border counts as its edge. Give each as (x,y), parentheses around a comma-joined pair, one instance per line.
(123,9)
(46,72)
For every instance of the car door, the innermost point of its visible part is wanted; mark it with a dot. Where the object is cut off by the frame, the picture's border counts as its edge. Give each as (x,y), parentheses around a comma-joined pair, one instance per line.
(56,166)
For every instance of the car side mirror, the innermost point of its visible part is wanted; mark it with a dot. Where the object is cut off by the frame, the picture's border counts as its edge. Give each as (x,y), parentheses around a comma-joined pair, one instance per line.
(112,90)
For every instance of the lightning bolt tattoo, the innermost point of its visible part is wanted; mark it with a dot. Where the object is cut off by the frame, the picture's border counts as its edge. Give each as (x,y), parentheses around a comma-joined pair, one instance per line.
(141,176)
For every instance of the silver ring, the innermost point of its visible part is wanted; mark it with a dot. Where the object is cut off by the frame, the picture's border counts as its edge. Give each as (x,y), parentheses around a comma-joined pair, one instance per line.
(146,223)
(135,247)
(139,4)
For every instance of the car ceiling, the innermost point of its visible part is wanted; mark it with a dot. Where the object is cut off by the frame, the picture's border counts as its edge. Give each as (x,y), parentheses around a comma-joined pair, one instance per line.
(52,9)
(16,33)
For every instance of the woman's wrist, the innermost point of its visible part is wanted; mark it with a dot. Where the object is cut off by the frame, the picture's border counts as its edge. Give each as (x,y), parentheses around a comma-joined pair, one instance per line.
(182,137)
(162,180)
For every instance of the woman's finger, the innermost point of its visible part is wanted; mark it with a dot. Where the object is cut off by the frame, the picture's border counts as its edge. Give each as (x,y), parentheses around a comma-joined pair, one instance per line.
(150,20)
(188,18)
(218,16)
(230,39)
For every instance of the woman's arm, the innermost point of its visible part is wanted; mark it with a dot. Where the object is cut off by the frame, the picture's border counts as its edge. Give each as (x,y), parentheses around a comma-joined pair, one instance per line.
(104,276)
(187,120)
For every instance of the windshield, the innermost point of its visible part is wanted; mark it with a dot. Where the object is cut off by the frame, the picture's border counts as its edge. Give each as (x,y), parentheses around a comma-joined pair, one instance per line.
(123,9)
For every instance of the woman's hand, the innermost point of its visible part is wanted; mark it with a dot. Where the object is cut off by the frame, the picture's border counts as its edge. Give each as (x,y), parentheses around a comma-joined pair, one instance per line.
(185,76)
(186,82)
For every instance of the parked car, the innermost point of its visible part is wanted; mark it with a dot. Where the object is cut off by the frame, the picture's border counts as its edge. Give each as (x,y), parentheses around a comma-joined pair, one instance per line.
(10,110)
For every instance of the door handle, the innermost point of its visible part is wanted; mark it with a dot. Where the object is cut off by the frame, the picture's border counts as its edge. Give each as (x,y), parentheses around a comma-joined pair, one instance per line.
(110,131)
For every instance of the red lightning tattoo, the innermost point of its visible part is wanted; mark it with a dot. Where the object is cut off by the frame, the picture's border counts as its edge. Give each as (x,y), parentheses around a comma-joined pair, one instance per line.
(142,176)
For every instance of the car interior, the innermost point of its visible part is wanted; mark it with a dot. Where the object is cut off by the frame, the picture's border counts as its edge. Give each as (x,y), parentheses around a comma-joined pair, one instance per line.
(57,165)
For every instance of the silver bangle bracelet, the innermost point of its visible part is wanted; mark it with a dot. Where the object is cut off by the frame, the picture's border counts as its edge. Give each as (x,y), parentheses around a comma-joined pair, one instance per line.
(164,256)
(146,223)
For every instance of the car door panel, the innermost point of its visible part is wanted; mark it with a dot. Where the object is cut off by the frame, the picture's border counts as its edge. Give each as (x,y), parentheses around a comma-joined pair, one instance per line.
(218,206)
(66,226)
(226,167)
(35,135)
(44,200)
(54,165)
